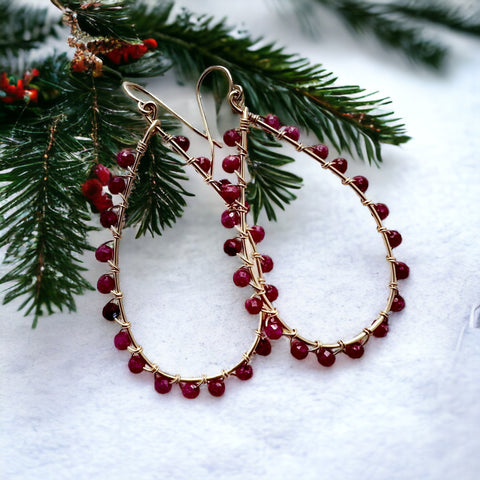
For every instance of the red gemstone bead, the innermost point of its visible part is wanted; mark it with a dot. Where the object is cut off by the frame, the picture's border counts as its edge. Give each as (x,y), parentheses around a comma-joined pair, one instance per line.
(102,173)
(104,253)
(394,238)
(274,330)
(382,210)
(244,372)
(292,132)
(122,340)
(299,349)
(229,192)
(264,347)
(92,188)
(116,185)
(204,163)
(258,233)
(231,163)
(232,246)
(182,142)
(398,303)
(242,277)
(254,305)
(162,384)
(231,137)
(136,363)
(105,284)
(381,331)
(230,218)
(325,357)
(190,390)
(354,350)
(111,311)
(321,150)
(402,269)
(361,183)
(102,202)
(267,263)
(126,158)
(272,120)
(108,219)
(271,292)
(216,387)
(340,164)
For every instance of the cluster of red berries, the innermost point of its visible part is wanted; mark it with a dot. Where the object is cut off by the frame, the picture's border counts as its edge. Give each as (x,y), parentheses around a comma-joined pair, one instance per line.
(130,51)
(17,91)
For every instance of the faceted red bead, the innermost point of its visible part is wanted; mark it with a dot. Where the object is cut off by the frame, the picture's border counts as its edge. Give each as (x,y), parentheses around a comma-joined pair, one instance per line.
(108,219)
(394,238)
(398,303)
(325,357)
(116,185)
(162,384)
(182,142)
(272,120)
(292,132)
(136,363)
(111,311)
(126,157)
(230,218)
(231,163)
(267,263)
(122,340)
(105,284)
(271,292)
(232,246)
(299,349)
(231,137)
(340,164)
(381,331)
(264,347)
(104,253)
(242,277)
(216,387)
(229,192)
(402,269)
(244,372)
(382,210)
(92,188)
(258,233)
(321,150)
(354,350)
(190,390)
(254,305)
(102,173)
(204,163)
(274,330)
(102,202)
(361,183)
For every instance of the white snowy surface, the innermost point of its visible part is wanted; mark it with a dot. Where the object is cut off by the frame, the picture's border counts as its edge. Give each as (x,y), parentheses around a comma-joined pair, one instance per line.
(408,409)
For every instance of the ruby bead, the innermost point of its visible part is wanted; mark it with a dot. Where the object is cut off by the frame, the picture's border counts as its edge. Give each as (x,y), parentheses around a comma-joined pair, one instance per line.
(229,219)
(126,158)
(102,202)
(190,390)
(105,284)
(354,350)
(92,188)
(111,311)
(271,292)
(382,210)
(216,387)
(182,142)
(232,246)
(258,233)
(229,192)
(254,305)
(136,363)
(242,277)
(381,331)
(108,219)
(162,384)
(204,163)
(325,357)
(340,164)
(267,263)
(292,132)
(244,372)
(104,253)
(102,173)
(231,163)
(402,269)
(122,340)
(361,183)
(264,347)
(274,330)
(321,150)
(299,349)
(398,303)
(272,120)
(116,185)
(231,137)
(394,238)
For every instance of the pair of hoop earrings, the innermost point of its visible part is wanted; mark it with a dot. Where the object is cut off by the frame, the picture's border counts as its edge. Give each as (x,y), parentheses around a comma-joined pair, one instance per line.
(244,245)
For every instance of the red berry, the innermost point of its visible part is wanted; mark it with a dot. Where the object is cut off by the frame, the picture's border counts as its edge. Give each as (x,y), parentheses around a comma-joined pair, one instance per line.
(105,284)
(258,233)
(272,121)
(264,347)
(394,238)
(242,277)
(204,163)
(232,246)
(216,387)
(402,269)
(321,150)
(299,349)
(292,132)
(231,163)
(229,192)
(244,372)
(111,311)
(108,219)
(116,185)
(136,363)
(382,210)
(398,303)
(340,164)
(122,340)
(150,43)
(162,384)
(271,292)
(92,188)
(104,253)
(274,330)
(267,263)
(182,142)
(102,173)
(190,390)
(126,157)
(230,218)
(354,350)
(254,305)
(361,183)
(231,137)
(325,357)
(381,331)
(102,202)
